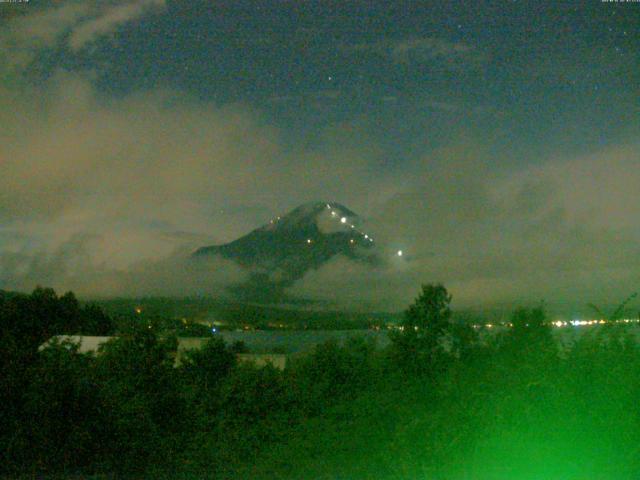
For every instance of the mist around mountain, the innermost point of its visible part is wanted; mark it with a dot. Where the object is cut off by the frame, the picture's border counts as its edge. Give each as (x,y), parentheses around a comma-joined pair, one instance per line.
(282,251)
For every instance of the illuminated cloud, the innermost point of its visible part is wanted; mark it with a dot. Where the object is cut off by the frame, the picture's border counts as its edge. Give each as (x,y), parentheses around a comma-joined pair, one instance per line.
(420,50)
(25,36)
(72,24)
(109,19)
(72,266)
(567,229)
(134,176)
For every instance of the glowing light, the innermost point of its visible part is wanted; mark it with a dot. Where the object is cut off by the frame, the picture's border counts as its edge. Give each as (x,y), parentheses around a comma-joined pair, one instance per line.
(308,240)
(352,241)
(353,226)
(366,236)
(343,220)
(138,310)
(399,253)
(579,323)
(333,214)
(214,330)
(328,206)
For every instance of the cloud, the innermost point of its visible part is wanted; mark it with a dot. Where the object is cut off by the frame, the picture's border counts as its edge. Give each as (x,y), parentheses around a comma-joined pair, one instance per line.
(97,193)
(110,19)
(137,177)
(72,24)
(426,49)
(423,50)
(135,170)
(71,266)
(132,179)
(344,284)
(565,231)
(25,36)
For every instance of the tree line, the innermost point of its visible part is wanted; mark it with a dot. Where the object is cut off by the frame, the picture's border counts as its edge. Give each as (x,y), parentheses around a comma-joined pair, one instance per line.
(442,401)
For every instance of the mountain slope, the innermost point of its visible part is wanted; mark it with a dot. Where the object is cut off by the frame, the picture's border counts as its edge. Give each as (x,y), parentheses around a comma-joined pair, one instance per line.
(284,249)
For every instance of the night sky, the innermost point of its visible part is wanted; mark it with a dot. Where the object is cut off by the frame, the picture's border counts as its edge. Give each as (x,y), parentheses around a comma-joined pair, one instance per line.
(495,143)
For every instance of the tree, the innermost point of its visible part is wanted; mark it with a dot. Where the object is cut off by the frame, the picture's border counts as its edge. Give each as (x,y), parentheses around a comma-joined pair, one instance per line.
(530,329)
(207,366)
(95,321)
(333,372)
(616,314)
(239,347)
(420,346)
(144,414)
(60,412)
(430,312)
(527,349)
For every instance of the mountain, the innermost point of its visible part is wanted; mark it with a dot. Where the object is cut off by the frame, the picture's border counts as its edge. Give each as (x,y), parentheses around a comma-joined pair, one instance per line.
(283,250)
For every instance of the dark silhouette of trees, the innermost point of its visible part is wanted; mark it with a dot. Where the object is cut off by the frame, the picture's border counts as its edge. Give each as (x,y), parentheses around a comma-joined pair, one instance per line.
(421,345)
(35,318)
(530,335)
(94,321)
(206,367)
(39,390)
(617,313)
(144,413)
(333,372)
(60,413)
(343,410)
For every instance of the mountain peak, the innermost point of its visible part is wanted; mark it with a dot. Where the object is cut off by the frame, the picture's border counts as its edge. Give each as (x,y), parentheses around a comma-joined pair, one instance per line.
(291,244)
(307,214)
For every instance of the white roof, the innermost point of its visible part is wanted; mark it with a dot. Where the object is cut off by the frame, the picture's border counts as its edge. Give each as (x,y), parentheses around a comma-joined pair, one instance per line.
(89,343)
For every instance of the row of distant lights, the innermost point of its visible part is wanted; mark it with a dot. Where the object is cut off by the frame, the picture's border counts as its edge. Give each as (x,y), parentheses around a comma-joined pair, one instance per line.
(562,323)
(581,323)
(557,324)
(344,220)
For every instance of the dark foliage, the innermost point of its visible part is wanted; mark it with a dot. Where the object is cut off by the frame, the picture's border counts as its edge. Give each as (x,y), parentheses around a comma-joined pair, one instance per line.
(441,402)
(424,345)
